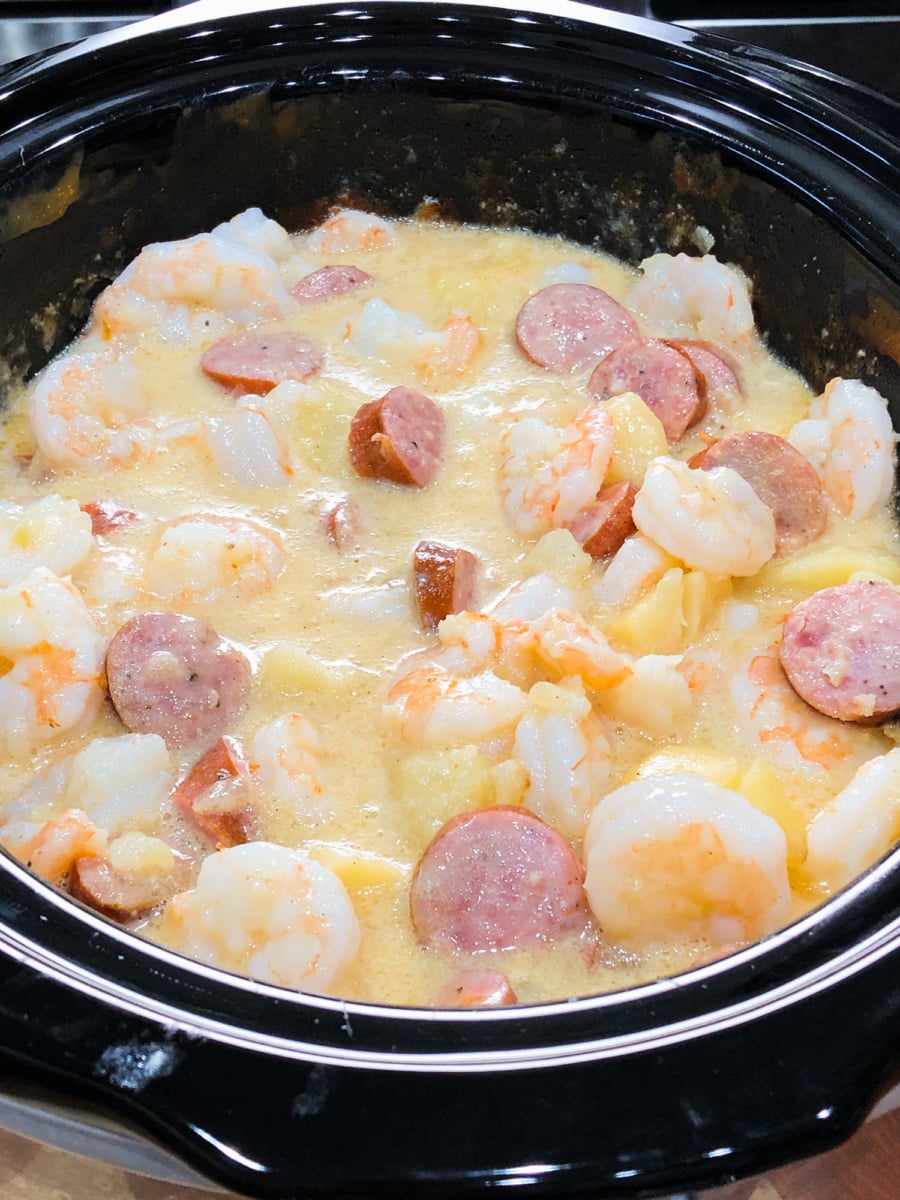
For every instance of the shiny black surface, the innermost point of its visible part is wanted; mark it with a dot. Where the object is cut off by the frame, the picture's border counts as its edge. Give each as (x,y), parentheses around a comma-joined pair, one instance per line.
(625,135)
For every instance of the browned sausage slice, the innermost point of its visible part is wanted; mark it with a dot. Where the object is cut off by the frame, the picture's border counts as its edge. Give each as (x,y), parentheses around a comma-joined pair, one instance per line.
(328,282)
(213,795)
(481,987)
(571,326)
(841,651)
(120,897)
(255,362)
(399,438)
(496,879)
(662,375)
(723,388)
(445,580)
(107,516)
(173,675)
(603,526)
(781,477)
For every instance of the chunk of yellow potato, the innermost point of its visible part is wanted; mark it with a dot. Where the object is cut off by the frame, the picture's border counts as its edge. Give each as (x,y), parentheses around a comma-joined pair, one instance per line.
(510,782)
(760,784)
(358,870)
(812,569)
(435,785)
(639,437)
(561,556)
(703,593)
(290,670)
(695,760)
(656,623)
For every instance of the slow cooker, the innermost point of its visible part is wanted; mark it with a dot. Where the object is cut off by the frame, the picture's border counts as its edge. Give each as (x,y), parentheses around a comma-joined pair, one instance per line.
(624,134)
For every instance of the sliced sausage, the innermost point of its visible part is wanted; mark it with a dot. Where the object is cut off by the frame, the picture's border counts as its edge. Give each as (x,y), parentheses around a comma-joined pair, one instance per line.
(723,388)
(328,282)
(604,525)
(480,987)
(399,438)
(572,326)
(662,375)
(173,675)
(781,477)
(496,879)
(445,581)
(121,897)
(342,525)
(841,651)
(213,795)
(255,362)
(107,516)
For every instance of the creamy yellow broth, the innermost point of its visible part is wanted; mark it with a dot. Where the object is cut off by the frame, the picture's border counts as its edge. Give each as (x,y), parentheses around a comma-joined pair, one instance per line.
(320,643)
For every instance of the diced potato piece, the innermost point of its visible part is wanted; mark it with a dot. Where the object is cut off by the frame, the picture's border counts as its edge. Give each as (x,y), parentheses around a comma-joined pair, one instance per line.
(561,556)
(703,593)
(811,570)
(139,855)
(695,760)
(656,623)
(639,437)
(510,782)
(358,870)
(290,670)
(435,785)
(761,786)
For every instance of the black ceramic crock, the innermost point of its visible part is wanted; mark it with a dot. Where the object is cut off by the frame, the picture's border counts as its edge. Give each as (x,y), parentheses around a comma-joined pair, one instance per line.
(623,134)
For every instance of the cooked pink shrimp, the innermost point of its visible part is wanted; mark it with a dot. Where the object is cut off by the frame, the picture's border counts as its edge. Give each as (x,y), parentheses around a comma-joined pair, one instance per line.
(284,765)
(88,411)
(567,645)
(768,712)
(49,532)
(205,557)
(633,569)
(547,475)
(858,826)
(433,709)
(694,295)
(680,857)
(403,339)
(269,912)
(248,447)
(351,231)
(708,519)
(849,438)
(561,742)
(51,662)
(178,288)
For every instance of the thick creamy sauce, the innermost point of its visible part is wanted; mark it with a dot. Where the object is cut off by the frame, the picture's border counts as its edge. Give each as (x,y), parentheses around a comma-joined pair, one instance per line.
(331,632)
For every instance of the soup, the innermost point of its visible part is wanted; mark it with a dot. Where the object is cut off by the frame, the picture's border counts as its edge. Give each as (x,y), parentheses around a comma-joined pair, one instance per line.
(435,615)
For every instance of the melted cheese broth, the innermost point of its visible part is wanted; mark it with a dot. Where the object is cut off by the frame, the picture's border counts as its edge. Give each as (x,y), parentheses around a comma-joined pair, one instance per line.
(336,628)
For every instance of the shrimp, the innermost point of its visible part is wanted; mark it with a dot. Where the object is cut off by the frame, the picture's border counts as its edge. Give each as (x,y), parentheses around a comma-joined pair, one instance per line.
(712,519)
(681,857)
(849,439)
(434,709)
(268,912)
(284,765)
(248,448)
(351,231)
(108,787)
(547,475)
(402,338)
(203,558)
(858,826)
(635,567)
(50,532)
(694,295)
(561,742)
(567,645)
(176,288)
(530,598)
(87,410)
(51,662)
(768,712)
(655,697)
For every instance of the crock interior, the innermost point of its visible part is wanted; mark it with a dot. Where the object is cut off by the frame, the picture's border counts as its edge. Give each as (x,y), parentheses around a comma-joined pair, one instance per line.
(627,142)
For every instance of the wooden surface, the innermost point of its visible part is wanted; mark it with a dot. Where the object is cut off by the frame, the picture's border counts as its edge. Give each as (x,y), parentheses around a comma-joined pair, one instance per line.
(866,1168)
